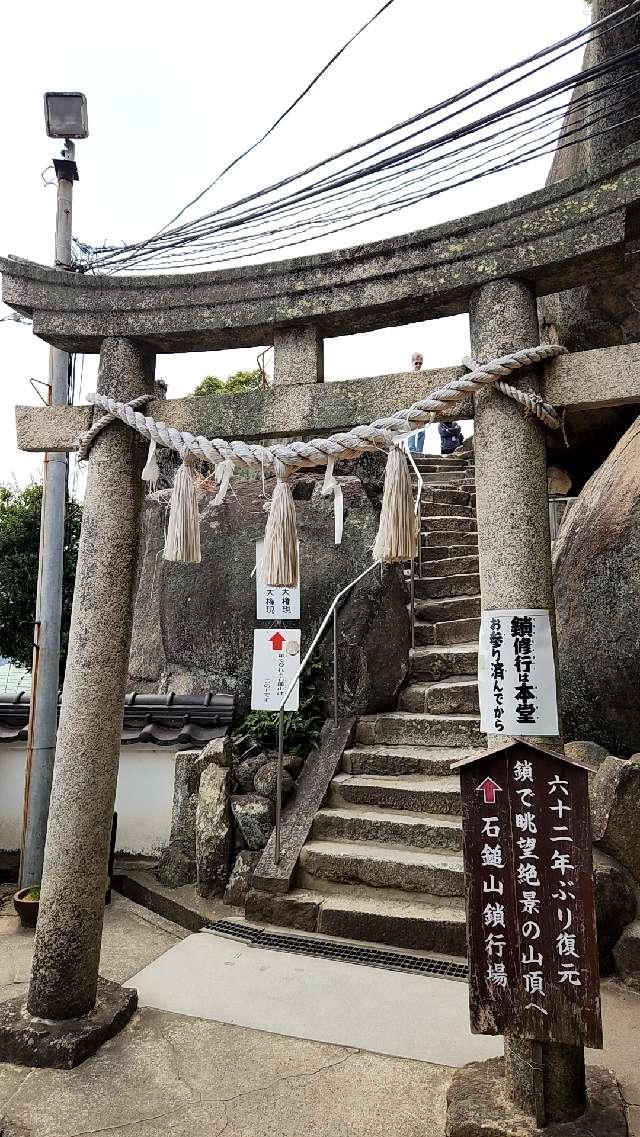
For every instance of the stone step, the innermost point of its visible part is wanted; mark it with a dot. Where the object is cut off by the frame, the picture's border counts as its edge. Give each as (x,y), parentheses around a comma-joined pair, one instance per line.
(451,523)
(451,470)
(443,662)
(451,566)
(445,509)
(388,827)
(419,793)
(443,552)
(449,608)
(445,477)
(443,461)
(398,727)
(381,866)
(439,587)
(396,760)
(458,695)
(436,538)
(382,916)
(446,495)
(446,632)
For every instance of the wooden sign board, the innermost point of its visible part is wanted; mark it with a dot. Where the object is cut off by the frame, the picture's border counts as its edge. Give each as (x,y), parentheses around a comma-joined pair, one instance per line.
(533,956)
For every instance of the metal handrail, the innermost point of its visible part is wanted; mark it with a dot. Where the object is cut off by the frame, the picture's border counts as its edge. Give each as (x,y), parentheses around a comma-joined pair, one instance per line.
(554,500)
(420,481)
(332,611)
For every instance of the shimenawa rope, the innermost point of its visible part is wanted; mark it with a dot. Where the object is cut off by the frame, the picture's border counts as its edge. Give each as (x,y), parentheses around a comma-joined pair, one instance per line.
(396,536)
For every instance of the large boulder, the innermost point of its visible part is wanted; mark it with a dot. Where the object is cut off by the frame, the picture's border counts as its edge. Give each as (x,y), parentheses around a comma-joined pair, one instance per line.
(374,634)
(178,861)
(588,753)
(597,591)
(615,810)
(193,624)
(240,879)
(254,815)
(605,312)
(213,831)
(616,905)
(266,782)
(627,955)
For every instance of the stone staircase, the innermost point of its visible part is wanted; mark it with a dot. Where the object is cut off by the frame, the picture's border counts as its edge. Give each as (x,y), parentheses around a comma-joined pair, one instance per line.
(383,862)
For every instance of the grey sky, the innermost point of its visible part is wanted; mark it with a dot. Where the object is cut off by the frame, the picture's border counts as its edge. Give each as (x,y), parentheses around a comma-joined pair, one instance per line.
(175,91)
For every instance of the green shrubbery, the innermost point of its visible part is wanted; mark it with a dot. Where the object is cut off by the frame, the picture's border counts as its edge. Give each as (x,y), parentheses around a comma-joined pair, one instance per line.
(302,727)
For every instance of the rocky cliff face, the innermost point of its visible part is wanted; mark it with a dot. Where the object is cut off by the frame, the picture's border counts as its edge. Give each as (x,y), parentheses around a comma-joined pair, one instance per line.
(608,311)
(597,590)
(193,624)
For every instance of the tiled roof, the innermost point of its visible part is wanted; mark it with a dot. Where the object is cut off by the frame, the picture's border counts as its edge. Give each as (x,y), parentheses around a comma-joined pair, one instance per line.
(13,679)
(163,720)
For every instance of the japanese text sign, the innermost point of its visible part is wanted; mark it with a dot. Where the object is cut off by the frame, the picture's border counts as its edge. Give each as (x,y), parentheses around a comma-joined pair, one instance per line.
(533,957)
(516,673)
(276,657)
(274,603)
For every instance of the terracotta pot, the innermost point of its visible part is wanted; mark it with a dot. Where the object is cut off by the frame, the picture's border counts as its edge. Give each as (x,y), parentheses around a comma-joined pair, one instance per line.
(27,909)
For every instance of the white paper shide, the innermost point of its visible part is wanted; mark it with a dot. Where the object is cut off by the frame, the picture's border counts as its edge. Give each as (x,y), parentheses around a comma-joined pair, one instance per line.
(276,657)
(516,673)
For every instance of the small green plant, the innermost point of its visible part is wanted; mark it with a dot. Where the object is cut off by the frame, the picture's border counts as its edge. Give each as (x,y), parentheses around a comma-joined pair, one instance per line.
(302,727)
(33,894)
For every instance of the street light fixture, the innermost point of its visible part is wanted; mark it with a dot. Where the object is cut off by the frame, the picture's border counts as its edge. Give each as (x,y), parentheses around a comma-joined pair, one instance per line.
(65,114)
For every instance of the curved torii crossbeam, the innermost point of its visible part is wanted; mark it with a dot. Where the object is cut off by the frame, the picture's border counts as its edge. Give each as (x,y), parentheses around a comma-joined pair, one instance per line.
(566,234)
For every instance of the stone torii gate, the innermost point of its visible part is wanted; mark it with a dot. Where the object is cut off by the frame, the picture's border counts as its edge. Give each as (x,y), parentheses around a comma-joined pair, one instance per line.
(493,265)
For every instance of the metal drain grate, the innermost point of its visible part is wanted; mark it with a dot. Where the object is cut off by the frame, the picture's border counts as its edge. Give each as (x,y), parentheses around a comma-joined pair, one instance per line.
(347,953)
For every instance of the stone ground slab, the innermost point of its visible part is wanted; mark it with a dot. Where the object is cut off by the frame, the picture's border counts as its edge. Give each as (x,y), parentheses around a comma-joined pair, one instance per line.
(132,938)
(170,1076)
(325,1000)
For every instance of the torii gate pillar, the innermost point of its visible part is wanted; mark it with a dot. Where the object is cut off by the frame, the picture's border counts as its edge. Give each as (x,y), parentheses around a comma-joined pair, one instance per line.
(64,978)
(515,572)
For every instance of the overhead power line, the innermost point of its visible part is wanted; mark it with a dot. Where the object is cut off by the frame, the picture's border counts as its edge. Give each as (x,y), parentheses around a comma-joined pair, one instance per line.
(449,148)
(281,118)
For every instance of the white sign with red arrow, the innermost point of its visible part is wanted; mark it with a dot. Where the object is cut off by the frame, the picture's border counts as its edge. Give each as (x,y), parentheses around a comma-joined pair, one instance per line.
(276,658)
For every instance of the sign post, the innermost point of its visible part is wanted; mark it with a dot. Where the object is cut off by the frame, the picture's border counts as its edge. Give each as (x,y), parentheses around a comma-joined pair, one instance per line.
(529,894)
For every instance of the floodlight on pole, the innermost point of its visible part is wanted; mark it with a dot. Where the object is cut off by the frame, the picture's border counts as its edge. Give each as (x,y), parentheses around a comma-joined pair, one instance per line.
(65,114)
(65,118)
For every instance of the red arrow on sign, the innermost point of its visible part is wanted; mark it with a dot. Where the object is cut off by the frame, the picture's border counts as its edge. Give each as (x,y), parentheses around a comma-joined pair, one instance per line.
(277,641)
(489,788)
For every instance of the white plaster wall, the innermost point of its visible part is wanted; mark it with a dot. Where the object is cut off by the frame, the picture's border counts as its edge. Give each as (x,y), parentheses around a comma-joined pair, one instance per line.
(143,797)
(12,758)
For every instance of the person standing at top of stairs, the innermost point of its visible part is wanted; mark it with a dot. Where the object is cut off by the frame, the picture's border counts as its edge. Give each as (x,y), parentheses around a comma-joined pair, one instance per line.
(416,442)
(450,436)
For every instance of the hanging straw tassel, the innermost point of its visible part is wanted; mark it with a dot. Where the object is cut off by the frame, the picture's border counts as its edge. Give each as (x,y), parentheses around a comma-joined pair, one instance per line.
(280,559)
(397,531)
(151,472)
(183,530)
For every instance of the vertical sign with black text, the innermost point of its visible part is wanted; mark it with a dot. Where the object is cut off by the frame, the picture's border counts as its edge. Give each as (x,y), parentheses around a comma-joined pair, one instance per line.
(533,956)
(516,673)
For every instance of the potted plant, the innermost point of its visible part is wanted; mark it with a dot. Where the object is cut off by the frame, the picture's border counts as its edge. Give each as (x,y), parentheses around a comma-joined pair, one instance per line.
(26,903)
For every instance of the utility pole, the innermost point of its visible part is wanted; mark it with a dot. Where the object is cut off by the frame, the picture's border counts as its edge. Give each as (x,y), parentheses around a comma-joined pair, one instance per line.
(66,117)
